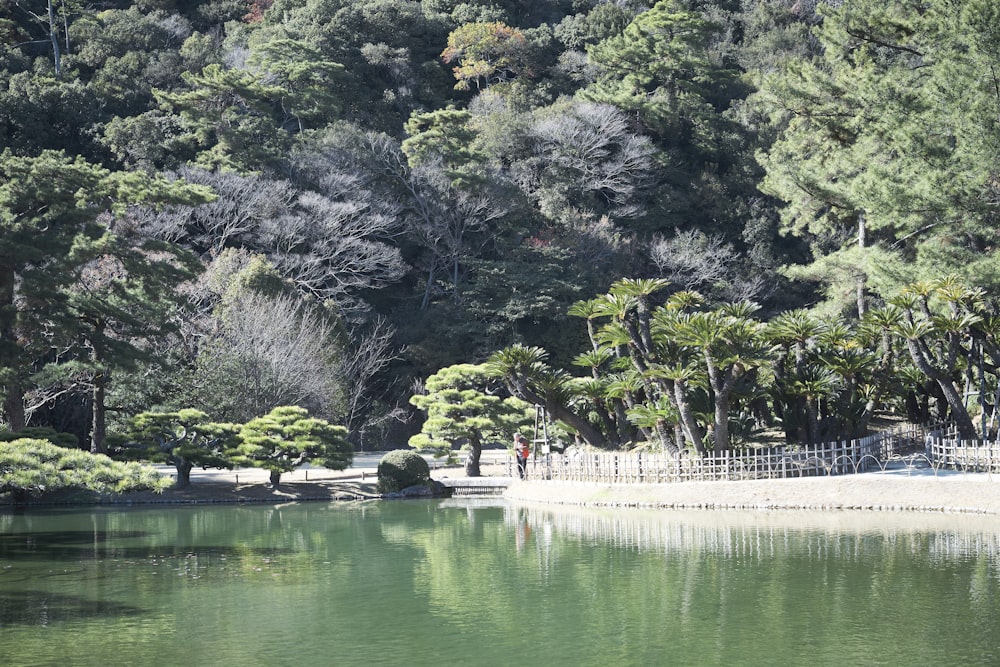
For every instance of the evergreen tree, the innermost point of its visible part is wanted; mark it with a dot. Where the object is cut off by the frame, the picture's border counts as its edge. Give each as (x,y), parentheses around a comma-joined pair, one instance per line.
(888,145)
(124,299)
(184,439)
(49,227)
(460,404)
(288,437)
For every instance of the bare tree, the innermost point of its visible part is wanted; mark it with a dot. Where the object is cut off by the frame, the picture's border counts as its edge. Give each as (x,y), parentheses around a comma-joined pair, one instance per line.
(443,216)
(332,248)
(696,261)
(445,219)
(244,203)
(329,244)
(268,352)
(585,159)
(367,352)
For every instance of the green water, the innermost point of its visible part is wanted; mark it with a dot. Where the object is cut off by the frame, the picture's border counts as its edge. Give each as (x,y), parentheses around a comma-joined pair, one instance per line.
(452,583)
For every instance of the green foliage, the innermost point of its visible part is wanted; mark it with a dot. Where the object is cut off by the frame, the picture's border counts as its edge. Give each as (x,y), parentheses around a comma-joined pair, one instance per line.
(445,134)
(31,468)
(67,440)
(665,70)
(185,439)
(659,67)
(402,468)
(307,82)
(28,106)
(287,437)
(150,140)
(233,116)
(50,236)
(461,404)
(388,50)
(885,141)
(603,21)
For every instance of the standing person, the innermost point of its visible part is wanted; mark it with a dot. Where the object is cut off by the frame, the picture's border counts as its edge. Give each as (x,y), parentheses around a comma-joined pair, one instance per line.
(522,450)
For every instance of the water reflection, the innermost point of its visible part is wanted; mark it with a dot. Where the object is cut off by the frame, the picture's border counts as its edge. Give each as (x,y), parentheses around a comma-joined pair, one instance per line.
(44,608)
(738,534)
(491,583)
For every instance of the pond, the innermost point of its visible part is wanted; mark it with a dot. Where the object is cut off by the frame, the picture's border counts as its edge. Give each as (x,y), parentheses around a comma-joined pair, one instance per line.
(487,583)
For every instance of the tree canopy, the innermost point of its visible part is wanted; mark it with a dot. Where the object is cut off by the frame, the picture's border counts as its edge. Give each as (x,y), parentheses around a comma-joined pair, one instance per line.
(319,203)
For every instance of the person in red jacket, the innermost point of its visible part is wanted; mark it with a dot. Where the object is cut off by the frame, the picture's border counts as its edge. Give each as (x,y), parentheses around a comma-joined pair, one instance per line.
(522,450)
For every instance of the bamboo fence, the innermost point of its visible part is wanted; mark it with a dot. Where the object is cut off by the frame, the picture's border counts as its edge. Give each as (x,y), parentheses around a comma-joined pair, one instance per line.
(831,458)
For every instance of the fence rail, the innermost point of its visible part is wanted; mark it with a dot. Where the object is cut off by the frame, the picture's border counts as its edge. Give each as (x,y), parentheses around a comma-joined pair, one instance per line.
(833,458)
(945,449)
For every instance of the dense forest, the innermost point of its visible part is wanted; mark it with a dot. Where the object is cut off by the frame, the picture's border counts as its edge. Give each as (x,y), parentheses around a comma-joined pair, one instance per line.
(671,223)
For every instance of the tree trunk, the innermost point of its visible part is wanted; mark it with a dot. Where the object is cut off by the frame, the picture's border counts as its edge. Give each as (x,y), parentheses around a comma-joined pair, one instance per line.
(54,35)
(609,424)
(721,423)
(688,421)
(958,411)
(622,424)
(183,474)
(812,420)
(562,413)
(428,284)
(472,462)
(951,395)
(13,407)
(98,422)
(721,383)
(582,426)
(275,478)
(862,286)
(666,442)
(98,393)
(13,393)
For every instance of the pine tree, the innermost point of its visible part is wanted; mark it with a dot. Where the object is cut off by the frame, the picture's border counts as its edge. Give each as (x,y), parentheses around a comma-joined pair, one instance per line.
(49,230)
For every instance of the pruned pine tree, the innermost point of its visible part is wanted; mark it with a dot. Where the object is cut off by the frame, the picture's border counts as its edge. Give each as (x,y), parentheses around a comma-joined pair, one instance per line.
(463,405)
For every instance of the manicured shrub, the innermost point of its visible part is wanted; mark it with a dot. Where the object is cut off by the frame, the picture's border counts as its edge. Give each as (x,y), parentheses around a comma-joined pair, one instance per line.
(401,468)
(32,468)
(67,440)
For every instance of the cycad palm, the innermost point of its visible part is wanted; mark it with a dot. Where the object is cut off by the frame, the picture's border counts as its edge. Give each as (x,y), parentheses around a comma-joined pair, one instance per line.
(728,347)
(527,376)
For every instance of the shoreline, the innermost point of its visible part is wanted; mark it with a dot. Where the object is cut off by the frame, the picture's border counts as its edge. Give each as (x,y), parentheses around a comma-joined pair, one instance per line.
(924,491)
(908,489)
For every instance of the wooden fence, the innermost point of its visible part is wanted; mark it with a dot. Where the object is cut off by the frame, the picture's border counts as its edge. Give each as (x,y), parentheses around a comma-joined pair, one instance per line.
(832,458)
(944,448)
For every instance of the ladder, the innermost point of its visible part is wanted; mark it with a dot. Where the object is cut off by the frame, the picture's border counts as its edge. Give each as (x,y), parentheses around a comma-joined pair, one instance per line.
(541,427)
(542,438)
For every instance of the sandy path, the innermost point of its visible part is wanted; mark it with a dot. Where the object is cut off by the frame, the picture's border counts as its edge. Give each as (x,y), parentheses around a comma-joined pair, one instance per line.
(944,491)
(900,489)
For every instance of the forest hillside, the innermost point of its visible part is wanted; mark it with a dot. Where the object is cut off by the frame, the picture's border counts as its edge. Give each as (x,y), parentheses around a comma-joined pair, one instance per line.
(678,223)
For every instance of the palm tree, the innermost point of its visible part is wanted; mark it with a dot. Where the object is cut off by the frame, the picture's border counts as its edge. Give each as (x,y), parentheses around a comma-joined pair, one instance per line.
(527,376)
(935,339)
(729,345)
